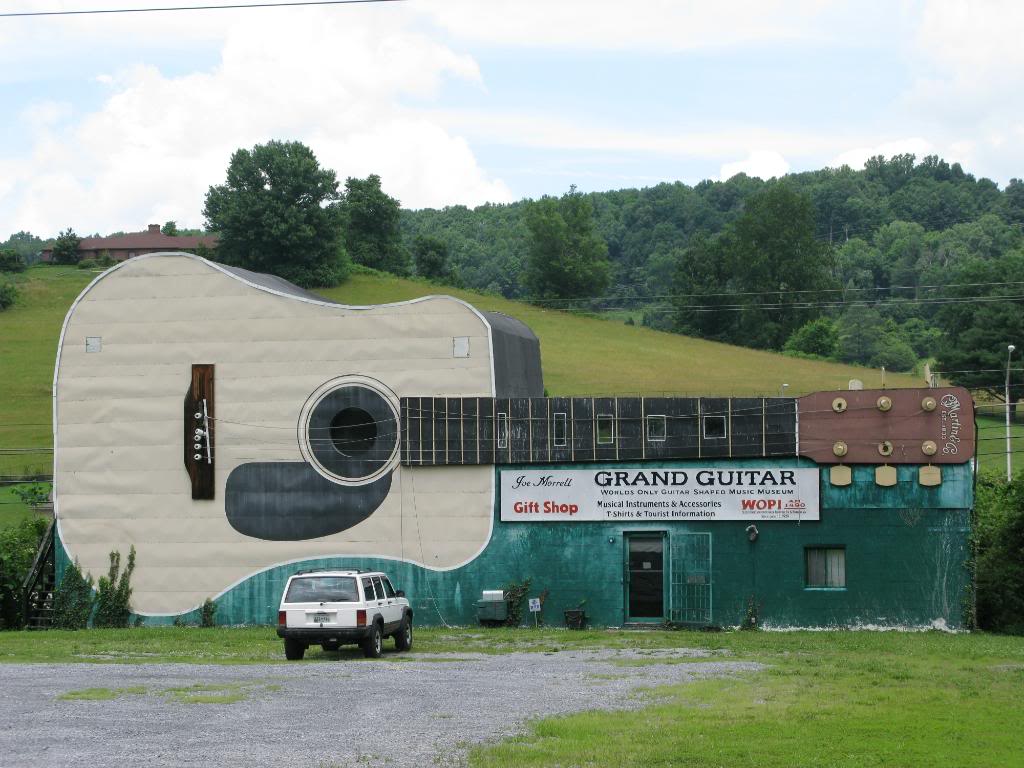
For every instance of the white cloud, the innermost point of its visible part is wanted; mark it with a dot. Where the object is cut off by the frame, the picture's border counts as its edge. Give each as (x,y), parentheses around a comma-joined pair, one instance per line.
(969,64)
(158,142)
(762,164)
(45,113)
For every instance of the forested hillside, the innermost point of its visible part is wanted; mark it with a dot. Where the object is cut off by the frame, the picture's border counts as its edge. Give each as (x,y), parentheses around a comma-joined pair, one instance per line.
(889,265)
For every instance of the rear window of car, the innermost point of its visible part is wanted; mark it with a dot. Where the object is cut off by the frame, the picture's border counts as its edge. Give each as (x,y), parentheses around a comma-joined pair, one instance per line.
(322,589)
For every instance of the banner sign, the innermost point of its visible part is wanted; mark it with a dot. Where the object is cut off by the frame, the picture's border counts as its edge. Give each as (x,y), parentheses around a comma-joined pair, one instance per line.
(659,494)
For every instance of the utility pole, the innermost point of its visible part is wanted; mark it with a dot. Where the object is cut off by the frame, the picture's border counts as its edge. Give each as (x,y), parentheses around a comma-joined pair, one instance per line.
(1009,447)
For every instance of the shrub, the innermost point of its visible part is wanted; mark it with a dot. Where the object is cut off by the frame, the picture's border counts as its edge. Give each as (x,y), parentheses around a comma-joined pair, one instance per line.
(818,337)
(515,594)
(208,614)
(999,555)
(8,293)
(73,600)
(114,593)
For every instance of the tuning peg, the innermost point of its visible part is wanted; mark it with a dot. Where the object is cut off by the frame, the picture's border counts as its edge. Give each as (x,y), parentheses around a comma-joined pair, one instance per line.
(928,404)
(840,475)
(885,476)
(884,403)
(929,476)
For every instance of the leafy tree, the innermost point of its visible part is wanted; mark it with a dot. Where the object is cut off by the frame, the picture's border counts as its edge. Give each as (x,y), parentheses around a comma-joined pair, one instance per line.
(18,546)
(892,352)
(566,256)
(764,258)
(371,221)
(697,290)
(818,337)
(65,248)
(274,215)
(860,327)
(26,245)
(431,257)
(170,228)
(999,563)
(1013,201)
(10,261)
(977,332)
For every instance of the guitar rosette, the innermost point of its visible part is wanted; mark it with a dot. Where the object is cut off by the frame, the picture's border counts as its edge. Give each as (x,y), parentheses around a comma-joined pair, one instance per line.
(348,430)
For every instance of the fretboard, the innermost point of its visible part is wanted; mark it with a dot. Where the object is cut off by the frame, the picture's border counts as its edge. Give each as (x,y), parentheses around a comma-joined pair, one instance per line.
(487,430)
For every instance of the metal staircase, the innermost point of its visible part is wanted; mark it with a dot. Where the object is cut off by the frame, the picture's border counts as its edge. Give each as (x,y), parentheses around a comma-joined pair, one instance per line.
(40,583)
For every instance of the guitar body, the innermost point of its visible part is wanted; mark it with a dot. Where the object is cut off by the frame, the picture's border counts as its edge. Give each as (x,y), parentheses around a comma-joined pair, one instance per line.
(279,489)
(225,423)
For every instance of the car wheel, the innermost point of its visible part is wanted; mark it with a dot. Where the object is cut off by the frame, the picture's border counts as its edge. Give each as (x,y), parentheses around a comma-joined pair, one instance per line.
(403,638)
(294,650)
(373,645)
(330,646)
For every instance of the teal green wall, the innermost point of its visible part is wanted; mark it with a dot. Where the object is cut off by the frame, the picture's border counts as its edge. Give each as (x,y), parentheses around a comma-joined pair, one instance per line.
(906,555)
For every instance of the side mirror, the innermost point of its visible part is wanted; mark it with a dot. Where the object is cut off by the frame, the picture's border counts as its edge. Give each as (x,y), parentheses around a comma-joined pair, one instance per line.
(399,593)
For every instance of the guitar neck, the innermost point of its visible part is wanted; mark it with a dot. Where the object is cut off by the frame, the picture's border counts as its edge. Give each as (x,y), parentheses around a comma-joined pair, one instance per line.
(540,430)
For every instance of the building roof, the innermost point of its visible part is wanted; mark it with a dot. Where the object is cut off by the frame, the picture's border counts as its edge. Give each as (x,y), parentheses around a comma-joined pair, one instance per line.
(152,238)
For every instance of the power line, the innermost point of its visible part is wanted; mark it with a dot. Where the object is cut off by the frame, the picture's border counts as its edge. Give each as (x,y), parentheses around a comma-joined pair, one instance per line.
(776,291)
(168,9)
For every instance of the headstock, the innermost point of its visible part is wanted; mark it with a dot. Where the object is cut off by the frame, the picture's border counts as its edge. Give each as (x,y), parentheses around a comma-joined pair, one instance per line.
(888,426)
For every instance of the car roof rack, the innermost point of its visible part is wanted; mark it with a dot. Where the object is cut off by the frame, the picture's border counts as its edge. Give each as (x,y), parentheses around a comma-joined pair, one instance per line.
(338,570)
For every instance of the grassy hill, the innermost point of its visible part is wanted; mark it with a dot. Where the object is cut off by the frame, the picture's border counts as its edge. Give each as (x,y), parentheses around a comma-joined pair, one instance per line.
(581,355)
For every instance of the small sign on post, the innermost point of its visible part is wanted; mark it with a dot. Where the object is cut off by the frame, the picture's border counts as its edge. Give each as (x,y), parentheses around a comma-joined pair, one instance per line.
(535,610)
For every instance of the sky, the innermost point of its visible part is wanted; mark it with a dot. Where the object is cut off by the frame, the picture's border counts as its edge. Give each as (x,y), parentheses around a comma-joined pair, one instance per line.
(116,121)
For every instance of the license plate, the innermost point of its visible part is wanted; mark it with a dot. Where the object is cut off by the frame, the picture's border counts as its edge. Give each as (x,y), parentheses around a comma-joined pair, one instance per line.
(321,618)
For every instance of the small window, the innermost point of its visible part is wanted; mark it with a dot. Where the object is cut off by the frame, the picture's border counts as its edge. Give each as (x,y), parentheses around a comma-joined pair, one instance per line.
(714,427)
(388,589)
(655,429)
(502,430)
(560,430)
(326,589)
(379,587)
(368,592)
(826,567)
(605,429)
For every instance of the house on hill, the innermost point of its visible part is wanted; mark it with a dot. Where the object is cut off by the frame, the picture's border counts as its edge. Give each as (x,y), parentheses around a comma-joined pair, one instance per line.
(121,247)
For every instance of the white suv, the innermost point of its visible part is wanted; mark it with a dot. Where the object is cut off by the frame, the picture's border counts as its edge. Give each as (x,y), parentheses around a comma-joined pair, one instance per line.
(333,607)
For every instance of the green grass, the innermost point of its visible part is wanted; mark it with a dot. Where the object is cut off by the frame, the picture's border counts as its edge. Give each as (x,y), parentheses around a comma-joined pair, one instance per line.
(198,693)
(582,355)
(29,331)
(828,699)
(101,694)
(588,355)
(12,509)
(992,444)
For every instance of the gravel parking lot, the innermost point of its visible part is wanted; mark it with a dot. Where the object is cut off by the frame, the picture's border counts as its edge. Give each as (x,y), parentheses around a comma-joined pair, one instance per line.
(419,710)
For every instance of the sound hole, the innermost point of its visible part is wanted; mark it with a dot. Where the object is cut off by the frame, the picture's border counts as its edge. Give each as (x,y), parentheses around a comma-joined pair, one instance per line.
(353,432)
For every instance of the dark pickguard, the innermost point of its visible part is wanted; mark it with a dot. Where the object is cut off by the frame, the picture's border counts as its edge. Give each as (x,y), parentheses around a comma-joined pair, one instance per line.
(290,501)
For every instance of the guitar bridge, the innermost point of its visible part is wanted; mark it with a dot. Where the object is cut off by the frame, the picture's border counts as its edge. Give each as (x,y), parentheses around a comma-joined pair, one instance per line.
(198,434)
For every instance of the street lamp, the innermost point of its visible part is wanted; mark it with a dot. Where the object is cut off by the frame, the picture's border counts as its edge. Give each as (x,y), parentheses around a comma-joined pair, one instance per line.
(1009,471)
